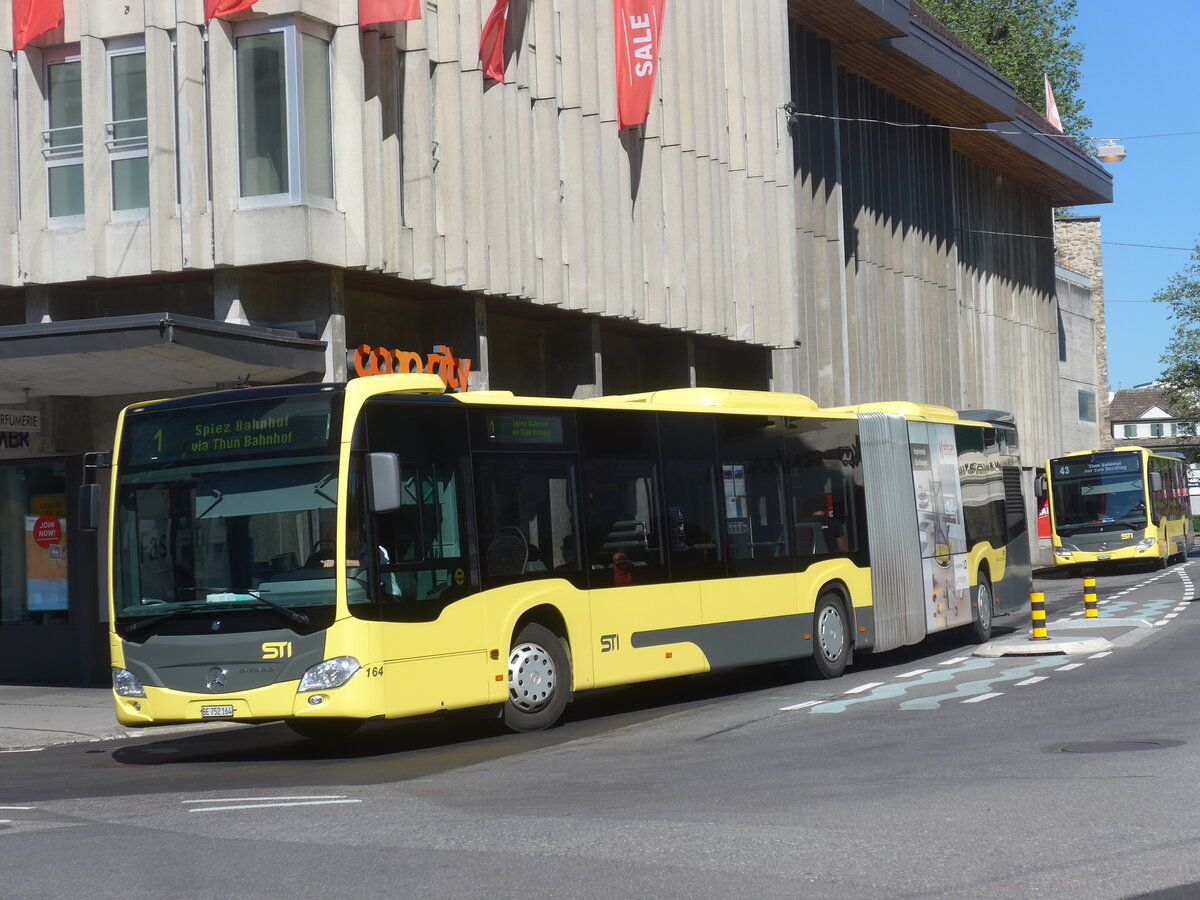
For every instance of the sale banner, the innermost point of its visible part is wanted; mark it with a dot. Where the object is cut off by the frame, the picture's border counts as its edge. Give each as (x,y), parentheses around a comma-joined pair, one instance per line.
(637,30)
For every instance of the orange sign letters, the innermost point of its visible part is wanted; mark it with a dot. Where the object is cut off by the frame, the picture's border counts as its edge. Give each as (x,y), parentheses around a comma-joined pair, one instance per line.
(453,370)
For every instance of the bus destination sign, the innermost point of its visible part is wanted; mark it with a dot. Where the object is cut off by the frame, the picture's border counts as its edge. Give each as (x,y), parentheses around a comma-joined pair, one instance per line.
(524,428)
(238,429)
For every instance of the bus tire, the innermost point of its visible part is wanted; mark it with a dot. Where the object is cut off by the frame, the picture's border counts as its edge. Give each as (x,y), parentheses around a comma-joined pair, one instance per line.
(980,628)
(831,636)
(539,680)
(324,730)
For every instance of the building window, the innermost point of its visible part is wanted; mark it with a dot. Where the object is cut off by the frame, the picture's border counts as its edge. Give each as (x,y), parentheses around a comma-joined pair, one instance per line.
(33,543)
(1087,406)
(125,132)
(1156,430)
(62,141)
(1130,431)
(285,135)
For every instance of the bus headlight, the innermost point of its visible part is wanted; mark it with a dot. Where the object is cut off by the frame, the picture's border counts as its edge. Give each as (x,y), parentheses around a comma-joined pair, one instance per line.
(1061,551)
(332,673)
(126,684)
(1146,543)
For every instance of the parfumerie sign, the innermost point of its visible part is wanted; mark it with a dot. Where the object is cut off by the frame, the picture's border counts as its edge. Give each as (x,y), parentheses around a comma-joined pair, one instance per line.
(20,420)
(15,427)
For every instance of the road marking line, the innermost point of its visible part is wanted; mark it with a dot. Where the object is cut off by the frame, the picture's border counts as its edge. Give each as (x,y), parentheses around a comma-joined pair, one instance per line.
(1171,615)
(1069,667)
(1160,624)
(16,807)
(1101,654)
(951,662)
(863,688)
(914,673)
(804,705)
(24,750)
(1034,680)
(984,697)
(266,799)
(196,809)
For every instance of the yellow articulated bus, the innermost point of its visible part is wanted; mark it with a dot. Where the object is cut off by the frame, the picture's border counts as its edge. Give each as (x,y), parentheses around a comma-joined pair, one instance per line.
(330,554)
(1127,504)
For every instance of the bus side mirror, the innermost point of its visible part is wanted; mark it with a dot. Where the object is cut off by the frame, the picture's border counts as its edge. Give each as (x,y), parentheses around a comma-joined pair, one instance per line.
(89,491)
(1156,482)
(383,482)
(1039,487)
(89,507)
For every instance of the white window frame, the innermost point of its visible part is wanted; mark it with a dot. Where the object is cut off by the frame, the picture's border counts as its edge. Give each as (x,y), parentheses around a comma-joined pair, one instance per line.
(67,154)
(292,27)
(127,148)
(1156,426)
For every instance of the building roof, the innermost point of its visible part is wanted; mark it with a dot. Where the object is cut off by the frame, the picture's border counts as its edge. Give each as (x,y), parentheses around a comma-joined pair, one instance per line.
(1136,404)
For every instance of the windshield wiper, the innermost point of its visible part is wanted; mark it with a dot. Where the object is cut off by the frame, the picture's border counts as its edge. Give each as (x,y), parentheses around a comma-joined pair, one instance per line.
(218,497)
(290,614)
(136,627)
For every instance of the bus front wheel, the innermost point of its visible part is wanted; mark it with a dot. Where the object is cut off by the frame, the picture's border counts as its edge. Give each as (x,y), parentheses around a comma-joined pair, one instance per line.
(831,636)
(539,680)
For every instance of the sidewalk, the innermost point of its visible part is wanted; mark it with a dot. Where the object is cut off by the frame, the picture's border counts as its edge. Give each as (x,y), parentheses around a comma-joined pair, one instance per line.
(1070,636)
(34,717)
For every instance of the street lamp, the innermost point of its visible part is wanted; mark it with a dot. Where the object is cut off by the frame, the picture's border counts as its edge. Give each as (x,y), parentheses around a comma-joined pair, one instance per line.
(1110,151)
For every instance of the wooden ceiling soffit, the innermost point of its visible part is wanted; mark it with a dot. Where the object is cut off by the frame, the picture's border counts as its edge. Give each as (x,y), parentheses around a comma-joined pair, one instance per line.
(1070,179)
(851,20)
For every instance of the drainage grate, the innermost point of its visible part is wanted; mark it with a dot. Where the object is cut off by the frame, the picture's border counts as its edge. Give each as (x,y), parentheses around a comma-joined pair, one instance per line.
(1112,746)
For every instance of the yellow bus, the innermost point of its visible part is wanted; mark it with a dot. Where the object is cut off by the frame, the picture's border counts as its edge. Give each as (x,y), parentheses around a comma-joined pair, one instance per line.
(330,554)
(1126,504)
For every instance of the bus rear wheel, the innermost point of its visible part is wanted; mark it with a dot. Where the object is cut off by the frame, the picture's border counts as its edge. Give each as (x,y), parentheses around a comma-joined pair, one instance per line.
(980,628)
(831,636)
(539,680)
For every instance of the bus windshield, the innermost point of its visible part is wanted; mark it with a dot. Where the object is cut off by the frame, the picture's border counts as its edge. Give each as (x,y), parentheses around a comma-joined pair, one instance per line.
(200,529)
(1092,496)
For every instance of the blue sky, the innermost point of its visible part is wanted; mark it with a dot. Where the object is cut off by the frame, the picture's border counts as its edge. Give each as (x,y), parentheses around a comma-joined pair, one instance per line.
(1141,76)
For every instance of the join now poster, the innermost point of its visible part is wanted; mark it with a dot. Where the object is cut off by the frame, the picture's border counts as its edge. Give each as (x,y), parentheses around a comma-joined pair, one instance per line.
(637,28)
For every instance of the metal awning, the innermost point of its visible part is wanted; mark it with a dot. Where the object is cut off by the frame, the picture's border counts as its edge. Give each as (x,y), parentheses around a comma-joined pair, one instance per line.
(148,353)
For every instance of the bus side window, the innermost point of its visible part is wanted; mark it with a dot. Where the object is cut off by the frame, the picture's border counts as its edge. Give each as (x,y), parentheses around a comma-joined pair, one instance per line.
(690,479)
(623,531)
(752,481)
(824,482)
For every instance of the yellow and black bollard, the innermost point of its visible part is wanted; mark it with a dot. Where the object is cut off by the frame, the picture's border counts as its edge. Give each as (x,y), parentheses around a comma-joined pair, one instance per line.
(1037,611)
(1089,599)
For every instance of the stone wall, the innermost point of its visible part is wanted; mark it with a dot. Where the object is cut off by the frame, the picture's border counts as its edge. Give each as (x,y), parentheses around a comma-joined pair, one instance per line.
(1077,247)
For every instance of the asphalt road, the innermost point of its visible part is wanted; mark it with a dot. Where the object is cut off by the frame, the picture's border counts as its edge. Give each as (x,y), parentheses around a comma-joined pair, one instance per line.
(927,772)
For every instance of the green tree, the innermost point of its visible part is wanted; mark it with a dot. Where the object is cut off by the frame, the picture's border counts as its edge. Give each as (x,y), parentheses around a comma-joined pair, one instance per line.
(1022,39)
(1181,356)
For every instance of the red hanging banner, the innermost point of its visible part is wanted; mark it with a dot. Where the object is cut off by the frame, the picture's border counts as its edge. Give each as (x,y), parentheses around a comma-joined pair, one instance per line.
(491,41)
(374,12)
(216,9)
(637,28)
(32,18)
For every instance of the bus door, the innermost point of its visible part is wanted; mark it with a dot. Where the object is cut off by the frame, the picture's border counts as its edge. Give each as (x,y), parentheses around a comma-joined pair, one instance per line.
(418,561)
(754,528)
(644,623)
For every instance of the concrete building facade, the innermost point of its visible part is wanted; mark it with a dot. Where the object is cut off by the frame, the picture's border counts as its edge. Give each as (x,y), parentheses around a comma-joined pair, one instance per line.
(832,197)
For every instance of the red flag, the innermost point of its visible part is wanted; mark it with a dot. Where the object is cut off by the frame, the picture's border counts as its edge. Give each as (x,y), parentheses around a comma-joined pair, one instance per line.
(1051,106)
(31,18)
(372,12)
(216,9)
(491,42)
(637,27)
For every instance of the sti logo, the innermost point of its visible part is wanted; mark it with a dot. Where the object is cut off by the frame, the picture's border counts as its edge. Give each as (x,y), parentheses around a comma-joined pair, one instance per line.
(277,650)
